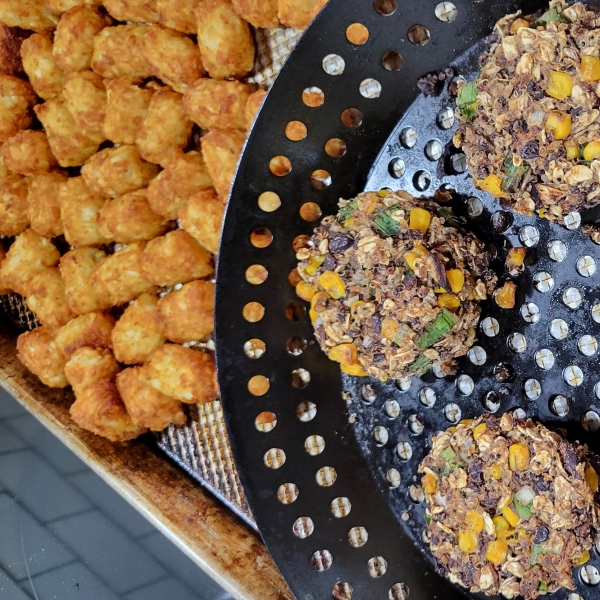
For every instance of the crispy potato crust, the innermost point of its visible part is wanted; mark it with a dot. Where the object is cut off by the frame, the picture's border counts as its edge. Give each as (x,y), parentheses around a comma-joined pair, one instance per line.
(116,171)
(178,15)
(254,103)
(184,177)
(68,143)
(118,52)
(173,57)
(16,101)
(11,39)
(188,313)
(74,38)
(166,129)
(298,13)
(87,366)
(202,218)
(27,14)
(221,149)
(133,10)
(118,279)
(76,268)
(46,298)
(260,13)
(13,205)
(85,96)
(38,62)
(183,373)
(29,254)
(92,330)
(79,207)
(175,258)
(3,169)
(139,332)
(62,6)
(99,409)
(38,351)
(43,206)
(28,153)
(217,104)
(126,108)
(225,41)
(145,404)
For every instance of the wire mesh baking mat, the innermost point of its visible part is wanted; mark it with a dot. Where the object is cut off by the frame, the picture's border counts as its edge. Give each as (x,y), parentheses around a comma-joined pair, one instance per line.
(328,463)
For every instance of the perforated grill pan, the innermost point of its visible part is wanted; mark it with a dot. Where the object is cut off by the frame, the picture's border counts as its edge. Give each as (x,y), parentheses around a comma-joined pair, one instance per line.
(335,493)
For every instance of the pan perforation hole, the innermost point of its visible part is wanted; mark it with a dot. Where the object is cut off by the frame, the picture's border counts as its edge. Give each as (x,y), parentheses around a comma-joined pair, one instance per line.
(280,166)
(265,422)
(529,235)
(255,348)
(269,201)
(314,445)
(399,591)
(543,281)
(385,7)
(295,311)
(572,298)
(457,163)
(335,147)
(294,278)
(404,384)
(320,179)
(313,97)
(404,450)
(590,421)
(559,405)
(572,221)
(517,342)
(419,35)
(341,507)
(300,378)
(596,313)
(321,560)
(392,409)
(296,345)
(253,312)
(370,88)
(303,527)
(258,385)
(296,131)
(557,250)
(287,493)
(306,411)
(274,458)
(504,372)
(342,590)
(445,118)
(357,34)
(452,413)
(559,329)
(326,476)
(532,389)
(415,424)
(397,168)
(377,566)
(392,61)
(422,180)
(352,117)
(302,241)
(368,394)
(586,266)
(530,312)
(358,537)
(434,150)
(446,12)
(490,327)
(544,359)
(501,221)
(381,435)
(261,238)
(256,274)
(393,478)
(474,207)
(465,384)
(588,345)
(491,401)
(477,355)
(409,137)
(334,64)
(428,397)
(573,375)
(589,575)
(310,211)
(415,493)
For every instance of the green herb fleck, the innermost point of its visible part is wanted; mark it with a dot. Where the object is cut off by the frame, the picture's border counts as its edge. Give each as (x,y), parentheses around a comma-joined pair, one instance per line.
(385,223)
(420,366)
(434,332)
(543,586)
(550,15)
(514,175)
(428,519)
(451,459)
(371,292)
(523,510)
(467,101)
(346,212)
(535,551)
(446,213)
(403,332)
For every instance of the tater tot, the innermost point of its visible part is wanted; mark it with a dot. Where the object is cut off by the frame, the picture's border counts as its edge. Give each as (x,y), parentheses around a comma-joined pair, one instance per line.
(13,205)
(118,52)
(3,289)
(16,101)
(221,149)
(85,96)
(178,15)
(166,129)
(11,39)
(129,218)
(139,332)
(87,366)
(43,206)
(173,57)
(74,38)
(68,143)
(145,404)
(188,313)
(217,104)
(183,373)
(184,177)
(225,40)
(126,108)
(116,171)
(118,279)
(92,330)
(254,104)
(4,171)
(62,6)
(38,351)
(28,153)
(76,268)
(99,409)
(46,298)
(38,62)
(79,207)
(260,13)
(202,218)
(297,13)
(175,258)
(27,14)
(144,11)
(29,254)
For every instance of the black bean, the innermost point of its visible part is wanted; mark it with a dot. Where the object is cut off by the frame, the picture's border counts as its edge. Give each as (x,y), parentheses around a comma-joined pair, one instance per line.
(379,358)
(541,534)
(530,150)
(535,90)
(540,484)
(340,242)
(410,282)
(475,475)
(376,323)
(569,457)
(329,263)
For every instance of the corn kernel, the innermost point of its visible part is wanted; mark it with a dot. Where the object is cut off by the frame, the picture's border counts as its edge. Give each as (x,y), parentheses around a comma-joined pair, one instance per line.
(592,150)
(492,185)
(581,560)
(466,422)
(510,515)
(355,308)
(355,370)
(429,483)
(333,284)
(467,541)
(515,258)
(389,329)
(518,456)
(419,219)
(572,149)
(412,255)
(496,471)
(305,291)
(500,525)
(449,301)
(591,478)
(496,552)
(505,296)
(590,68)
(456,279)
(517,24)
(314,315)
(345,354)
(474,521)
(561,85)
(314,262)
(479,430)
(559,123)
(318,301)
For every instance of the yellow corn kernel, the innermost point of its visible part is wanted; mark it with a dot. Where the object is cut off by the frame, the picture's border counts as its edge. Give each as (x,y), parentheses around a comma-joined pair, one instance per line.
(561,85)
(590,68)
(429,483)
(333,284)
(467,540)
(314,262)
(479,430)
(314,315)
(572,149)
(517,24)
(581,560)
(345,354)
(456,279)
(370,203)
(518,456)
(419,219)
(496,471)
(592,150)
(389,329)
(465,422)
(417,252)
(500,525)
(305,291)
(505,296)
(383,193)
(449,301)
(510,515)
(355,308)
(515,258)
(496,552)
(355,370)
(492,185)
(474,521)
(559,124)
(591,478)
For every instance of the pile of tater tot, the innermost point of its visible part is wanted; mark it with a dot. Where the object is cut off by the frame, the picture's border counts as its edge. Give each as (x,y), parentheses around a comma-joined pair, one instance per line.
(121,123)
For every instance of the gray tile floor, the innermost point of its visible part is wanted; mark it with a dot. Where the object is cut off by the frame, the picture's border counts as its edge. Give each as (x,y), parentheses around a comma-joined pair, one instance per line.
(66,535)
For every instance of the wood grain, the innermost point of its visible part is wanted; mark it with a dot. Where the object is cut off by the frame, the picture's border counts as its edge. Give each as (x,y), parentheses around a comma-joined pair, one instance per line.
(220,543)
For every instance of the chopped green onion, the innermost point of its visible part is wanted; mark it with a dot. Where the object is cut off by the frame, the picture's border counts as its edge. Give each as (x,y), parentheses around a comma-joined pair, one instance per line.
(514,175)
(448,454)
(446,213)
(420,366)
(550,15)
(428,519)
(385,223)
(346,212)
(543,586)
(467,94)
(535,551)
(434,332)
(523,510)
(403,332)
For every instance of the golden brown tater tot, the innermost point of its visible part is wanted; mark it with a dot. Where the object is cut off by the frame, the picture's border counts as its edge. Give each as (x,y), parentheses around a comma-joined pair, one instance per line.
(43,206)
(27,14)
(47,300)
(4,171)
(11,40)
(16,101)
(76,268)
(260,13)
(92,330)
(88,366)
(254,104)
(144,11)
(13,205)
(62,6)
(28,153)
(221,149)
(85,96)
(178,15)
(202,218)
(38,351)
(297,13)
(38,62)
